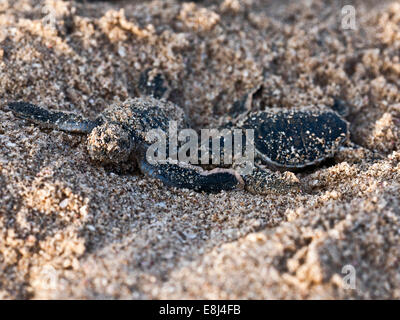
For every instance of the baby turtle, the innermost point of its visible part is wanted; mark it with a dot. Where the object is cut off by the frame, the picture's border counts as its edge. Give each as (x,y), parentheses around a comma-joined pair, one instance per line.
(290,139)
(118,136)
(286,140)
(296,138)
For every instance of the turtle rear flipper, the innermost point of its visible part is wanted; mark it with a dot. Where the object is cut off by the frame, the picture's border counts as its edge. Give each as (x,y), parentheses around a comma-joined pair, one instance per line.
(191,177)
(63,121)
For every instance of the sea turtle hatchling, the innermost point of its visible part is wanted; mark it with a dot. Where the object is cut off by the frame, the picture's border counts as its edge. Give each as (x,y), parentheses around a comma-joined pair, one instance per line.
(284,139)
(288,139)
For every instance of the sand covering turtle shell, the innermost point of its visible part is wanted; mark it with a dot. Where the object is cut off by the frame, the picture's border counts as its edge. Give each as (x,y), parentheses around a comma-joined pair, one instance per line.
(72,229)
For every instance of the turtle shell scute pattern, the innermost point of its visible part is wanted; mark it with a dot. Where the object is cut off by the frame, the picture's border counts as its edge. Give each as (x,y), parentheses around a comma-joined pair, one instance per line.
(296,138)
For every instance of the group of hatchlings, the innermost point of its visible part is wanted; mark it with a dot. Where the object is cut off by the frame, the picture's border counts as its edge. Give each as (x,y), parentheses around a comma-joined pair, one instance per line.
(284,139)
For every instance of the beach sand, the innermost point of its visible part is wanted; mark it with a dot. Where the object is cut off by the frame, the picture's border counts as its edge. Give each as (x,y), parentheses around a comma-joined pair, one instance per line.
(70,228)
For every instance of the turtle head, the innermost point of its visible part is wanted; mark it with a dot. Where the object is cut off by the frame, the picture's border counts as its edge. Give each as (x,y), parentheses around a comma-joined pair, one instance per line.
(110,143)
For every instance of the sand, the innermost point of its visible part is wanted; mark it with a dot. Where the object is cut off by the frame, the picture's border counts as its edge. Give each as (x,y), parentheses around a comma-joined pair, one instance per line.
(71,229)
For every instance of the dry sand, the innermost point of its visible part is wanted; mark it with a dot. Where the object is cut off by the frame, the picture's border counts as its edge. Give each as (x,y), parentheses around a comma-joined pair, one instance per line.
(72,229)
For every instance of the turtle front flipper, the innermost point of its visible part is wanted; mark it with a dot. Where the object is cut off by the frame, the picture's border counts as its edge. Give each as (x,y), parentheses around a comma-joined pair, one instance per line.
(63,121)
(191,177)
